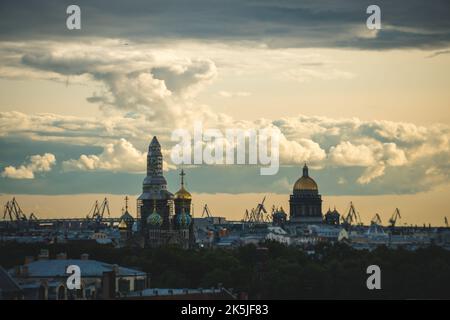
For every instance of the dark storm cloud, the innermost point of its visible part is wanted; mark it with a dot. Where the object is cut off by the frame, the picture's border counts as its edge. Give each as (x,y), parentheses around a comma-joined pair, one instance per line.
(412,23)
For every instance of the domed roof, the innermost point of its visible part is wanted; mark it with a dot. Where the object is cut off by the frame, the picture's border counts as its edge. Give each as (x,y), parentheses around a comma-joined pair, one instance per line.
(279,212)
(183,219)
(183,193)
(305,182)
(154,219)
(123,224)
(332,213)
(127,217)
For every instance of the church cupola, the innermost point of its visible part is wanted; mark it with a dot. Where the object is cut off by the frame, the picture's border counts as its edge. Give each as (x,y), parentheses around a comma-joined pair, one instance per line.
(305,203)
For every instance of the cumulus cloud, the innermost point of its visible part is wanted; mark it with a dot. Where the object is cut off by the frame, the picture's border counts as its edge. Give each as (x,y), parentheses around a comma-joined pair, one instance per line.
(118,156)
(372,173)
(375,156)
(301,151)
(138,78)
(37,163)
(370,148)
(153,91)
(188,78)
(346,154)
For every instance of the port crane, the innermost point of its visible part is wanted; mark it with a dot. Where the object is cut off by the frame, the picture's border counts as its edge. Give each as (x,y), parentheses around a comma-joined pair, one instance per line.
(258,214)
(446,221)
(396,215)
(376,219)
(352,217)
(13,212)
(98,211)
(206,212)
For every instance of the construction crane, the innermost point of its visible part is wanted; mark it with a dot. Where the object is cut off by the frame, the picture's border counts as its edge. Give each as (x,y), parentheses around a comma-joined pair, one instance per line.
(206,212)
(98,211)
(393,219)
(376,219)
(13,211)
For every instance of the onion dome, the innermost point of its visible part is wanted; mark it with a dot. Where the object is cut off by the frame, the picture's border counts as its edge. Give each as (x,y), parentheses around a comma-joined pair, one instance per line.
(126,216)
(280,213)
(183,194)
(183,219)
(305,182)
(154,219)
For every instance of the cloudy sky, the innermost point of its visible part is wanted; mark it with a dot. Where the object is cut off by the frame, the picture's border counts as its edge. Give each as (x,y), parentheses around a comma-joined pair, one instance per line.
(367,109)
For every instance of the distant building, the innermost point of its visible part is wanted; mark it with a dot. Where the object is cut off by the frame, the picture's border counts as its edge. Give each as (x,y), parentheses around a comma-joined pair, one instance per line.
(126,224)
(305,201)
(332,217)
(279,217)
(164,218)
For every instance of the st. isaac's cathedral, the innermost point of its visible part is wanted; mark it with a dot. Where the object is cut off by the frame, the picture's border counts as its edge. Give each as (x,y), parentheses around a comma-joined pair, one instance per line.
(165,218)
(305,203)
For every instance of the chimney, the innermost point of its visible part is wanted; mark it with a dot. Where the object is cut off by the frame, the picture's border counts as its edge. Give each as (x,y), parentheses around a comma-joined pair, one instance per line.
(61,256)
(28,259)
(84,256)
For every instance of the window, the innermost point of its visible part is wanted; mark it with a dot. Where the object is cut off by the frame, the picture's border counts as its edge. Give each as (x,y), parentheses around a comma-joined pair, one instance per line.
(139,284)
(124,285)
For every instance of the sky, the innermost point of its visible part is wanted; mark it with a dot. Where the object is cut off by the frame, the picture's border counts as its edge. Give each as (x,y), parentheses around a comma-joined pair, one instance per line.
(368,110)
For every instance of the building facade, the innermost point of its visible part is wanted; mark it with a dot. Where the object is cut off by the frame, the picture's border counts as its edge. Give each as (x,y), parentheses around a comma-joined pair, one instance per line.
(164,218)
(305,203)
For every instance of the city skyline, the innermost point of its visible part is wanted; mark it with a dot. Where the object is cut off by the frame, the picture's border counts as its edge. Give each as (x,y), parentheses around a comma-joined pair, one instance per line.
(366,109)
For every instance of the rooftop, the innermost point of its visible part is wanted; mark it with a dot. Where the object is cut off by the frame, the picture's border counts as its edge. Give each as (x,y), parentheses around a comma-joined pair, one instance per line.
(89,268)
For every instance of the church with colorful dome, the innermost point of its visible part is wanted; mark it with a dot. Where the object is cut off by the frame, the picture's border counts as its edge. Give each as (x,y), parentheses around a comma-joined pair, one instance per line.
(305,203)
(164,218)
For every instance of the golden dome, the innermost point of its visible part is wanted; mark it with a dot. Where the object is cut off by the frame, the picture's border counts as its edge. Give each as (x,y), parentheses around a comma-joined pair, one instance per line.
(305,182)
(183,194)
(123,224)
